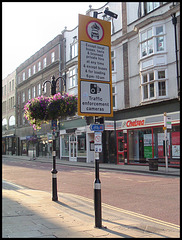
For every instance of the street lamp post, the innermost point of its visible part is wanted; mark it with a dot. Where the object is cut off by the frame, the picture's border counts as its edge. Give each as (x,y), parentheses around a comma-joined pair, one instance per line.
(54,171)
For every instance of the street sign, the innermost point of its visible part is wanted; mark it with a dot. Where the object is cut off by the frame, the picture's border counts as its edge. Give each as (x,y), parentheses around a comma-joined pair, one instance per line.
(94,67)
(95,98)
(54,124)
(97,127)
(168,123)
(97,138)
(98,148)
(94,63)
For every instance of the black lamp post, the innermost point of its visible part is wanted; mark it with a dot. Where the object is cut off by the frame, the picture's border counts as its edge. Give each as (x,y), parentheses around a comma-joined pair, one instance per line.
(54,125)
(174,21)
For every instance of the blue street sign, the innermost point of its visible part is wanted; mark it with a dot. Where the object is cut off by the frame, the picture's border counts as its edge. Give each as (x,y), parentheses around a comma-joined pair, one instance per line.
(97,127)
(54,123)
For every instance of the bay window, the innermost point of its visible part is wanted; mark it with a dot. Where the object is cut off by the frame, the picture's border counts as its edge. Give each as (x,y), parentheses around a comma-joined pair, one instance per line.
(152,40)
(153,84)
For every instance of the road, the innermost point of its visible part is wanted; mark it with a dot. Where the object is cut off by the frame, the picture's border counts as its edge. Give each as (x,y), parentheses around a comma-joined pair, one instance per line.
(154,196)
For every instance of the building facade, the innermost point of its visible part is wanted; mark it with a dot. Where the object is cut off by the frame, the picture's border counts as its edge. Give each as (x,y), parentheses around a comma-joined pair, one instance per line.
(145,57)
(145,85)
(30,76)
(8,114)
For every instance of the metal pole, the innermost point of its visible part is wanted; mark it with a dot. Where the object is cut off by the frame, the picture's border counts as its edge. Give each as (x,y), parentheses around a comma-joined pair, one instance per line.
(165,139)
(54,171)
(97,194)
(174,21)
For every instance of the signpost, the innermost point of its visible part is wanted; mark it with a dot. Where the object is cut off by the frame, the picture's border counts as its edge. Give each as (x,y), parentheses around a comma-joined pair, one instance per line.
(165,141)
(94,67)
(95,85)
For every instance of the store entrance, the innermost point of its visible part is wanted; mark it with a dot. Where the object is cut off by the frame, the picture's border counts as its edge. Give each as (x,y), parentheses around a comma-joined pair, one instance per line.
(121,147)
(72,148)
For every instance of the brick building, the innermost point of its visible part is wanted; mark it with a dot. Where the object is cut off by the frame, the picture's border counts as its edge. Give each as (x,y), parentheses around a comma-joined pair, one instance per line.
(30,76)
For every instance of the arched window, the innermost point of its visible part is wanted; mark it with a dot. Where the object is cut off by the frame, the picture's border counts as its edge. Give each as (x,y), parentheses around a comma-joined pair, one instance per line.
(4,124)
(12,121)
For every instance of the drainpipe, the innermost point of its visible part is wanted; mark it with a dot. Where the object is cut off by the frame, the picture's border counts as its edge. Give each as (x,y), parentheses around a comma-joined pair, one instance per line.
(174,21)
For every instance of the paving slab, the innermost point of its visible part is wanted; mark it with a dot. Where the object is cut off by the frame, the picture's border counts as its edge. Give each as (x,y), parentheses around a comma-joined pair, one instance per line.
(30,213)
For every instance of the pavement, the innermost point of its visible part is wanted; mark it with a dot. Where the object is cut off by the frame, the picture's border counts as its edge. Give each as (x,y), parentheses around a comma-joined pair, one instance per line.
(138,169)
(29,213)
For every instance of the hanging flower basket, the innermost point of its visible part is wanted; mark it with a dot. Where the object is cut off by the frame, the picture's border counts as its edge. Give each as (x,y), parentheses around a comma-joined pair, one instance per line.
(43,109)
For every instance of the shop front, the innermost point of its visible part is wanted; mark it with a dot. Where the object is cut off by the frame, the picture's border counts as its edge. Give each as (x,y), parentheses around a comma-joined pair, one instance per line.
(73,145)
(138,139)
(9,145)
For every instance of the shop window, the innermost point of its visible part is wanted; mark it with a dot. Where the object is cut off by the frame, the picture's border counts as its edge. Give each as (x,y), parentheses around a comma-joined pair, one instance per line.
(140,145)
(81,145)
(175,139)
(65,146)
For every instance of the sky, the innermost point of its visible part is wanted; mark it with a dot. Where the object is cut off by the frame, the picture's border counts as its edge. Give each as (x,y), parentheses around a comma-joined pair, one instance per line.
(28,26)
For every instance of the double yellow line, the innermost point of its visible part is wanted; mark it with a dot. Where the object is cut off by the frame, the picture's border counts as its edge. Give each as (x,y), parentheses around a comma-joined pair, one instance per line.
(154,220)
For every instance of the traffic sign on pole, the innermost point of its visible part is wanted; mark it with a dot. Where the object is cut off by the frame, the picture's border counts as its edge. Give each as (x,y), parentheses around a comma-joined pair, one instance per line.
(94,67)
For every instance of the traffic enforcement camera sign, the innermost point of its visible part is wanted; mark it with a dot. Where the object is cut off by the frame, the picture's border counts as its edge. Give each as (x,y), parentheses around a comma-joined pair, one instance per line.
(94,67)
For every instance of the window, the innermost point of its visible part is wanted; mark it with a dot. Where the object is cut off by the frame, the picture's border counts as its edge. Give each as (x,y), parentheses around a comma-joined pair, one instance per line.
(39,66)
(159,39)
(113,61)
(34,69)
(52,57)
(73,77)
(34,92)
(39,89)
(65,145)
(152,40)
(114,96)
(10,86)
(4,90)
(29,72)
(162,84)
(152,5)
(81,140)
(13,84)
(23,76)
(154,84)
(44,62)
(12,121)
(74,49)
(45,88)
(29,93)
(23,97)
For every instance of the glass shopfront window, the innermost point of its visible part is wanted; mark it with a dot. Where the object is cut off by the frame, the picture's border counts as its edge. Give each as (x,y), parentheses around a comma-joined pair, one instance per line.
(140,145)
(148,143)
(65,145)
(81,145)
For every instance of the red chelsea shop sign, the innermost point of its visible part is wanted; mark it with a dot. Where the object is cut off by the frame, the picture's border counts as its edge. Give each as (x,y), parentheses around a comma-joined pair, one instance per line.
(133,123)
